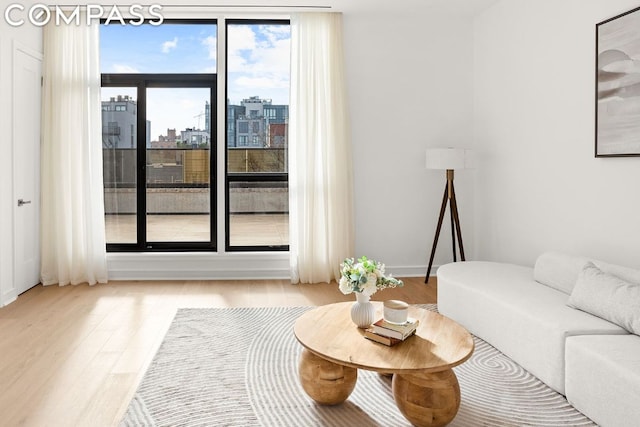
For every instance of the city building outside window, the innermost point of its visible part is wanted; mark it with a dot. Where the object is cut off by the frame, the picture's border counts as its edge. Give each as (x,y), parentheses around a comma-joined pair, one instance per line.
(257,78)
(160,135)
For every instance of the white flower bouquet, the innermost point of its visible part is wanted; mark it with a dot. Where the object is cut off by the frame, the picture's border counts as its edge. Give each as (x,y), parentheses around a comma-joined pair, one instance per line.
(365,276)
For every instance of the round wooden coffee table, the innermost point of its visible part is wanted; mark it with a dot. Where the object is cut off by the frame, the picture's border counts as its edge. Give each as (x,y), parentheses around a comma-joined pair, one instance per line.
(425,387)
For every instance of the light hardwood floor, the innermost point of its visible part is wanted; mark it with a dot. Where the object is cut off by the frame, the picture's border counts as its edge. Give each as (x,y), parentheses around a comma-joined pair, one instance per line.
(74,355)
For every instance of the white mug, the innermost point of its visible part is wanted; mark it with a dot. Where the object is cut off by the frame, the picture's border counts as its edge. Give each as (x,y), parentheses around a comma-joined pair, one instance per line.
(396,312)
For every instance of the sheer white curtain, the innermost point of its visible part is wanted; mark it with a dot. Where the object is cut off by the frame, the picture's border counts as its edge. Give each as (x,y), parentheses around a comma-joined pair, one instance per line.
(72,225)
(320,176)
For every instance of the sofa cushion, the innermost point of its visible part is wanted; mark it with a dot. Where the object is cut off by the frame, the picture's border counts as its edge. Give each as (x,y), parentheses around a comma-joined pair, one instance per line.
(627,274)
(603,378)
(558,271)
(527,321)
(607,296)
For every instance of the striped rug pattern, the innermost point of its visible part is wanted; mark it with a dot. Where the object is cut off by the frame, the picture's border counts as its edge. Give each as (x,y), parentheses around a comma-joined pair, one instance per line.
(238,367)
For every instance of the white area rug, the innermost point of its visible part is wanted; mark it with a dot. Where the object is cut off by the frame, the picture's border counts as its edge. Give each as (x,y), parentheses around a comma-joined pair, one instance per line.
(238,367)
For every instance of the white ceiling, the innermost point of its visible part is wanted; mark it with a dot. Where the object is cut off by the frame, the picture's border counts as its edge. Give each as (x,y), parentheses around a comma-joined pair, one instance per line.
(461,7)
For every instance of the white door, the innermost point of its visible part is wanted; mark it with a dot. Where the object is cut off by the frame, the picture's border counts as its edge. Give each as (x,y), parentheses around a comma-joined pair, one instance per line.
(27,72)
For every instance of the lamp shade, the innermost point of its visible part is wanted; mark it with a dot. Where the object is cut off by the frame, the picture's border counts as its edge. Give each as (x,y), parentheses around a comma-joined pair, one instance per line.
(448,158)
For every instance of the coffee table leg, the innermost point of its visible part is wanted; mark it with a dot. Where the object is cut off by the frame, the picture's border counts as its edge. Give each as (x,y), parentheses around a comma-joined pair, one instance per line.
(326,382)
(427,399)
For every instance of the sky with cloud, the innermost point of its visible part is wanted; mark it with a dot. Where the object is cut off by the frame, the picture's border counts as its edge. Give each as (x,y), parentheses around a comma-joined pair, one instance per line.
(258,65)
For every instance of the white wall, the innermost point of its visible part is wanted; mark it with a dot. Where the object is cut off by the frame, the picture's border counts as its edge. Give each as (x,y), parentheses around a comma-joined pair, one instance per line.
(539,186)
(410,87)
(30,37)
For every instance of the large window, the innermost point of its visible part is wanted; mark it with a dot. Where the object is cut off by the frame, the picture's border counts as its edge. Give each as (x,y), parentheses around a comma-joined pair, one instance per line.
(257,191)
(158,136)
(159,129)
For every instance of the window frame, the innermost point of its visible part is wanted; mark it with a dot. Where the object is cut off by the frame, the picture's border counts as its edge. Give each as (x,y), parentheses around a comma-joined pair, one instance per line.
(231,177)
(142,82)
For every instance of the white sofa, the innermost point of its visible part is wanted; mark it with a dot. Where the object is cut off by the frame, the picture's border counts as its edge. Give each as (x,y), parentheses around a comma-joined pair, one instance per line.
(524,313)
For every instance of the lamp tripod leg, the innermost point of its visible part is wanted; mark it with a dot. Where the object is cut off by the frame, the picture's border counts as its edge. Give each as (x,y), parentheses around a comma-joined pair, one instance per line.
(439,226)
(456,218)
(453,231)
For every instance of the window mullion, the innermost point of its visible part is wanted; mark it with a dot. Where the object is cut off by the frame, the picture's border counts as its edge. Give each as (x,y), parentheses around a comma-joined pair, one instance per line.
(141,161)
(221,146)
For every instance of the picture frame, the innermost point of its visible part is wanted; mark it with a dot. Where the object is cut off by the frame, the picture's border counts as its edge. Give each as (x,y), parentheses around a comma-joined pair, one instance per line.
(617,132)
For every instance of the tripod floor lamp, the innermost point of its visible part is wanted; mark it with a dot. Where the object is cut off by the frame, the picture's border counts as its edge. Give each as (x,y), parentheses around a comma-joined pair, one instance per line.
(448,159)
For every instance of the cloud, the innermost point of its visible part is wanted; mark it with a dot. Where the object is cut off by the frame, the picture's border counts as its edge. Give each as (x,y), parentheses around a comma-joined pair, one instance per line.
(258,62)
(273,58)
(273,33)
(125,69)
(212,44)
(169,45)
(241,40)
(241,37)
(268,54)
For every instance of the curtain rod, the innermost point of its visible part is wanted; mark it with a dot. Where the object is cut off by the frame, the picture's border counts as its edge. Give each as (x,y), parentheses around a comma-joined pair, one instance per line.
(214,6)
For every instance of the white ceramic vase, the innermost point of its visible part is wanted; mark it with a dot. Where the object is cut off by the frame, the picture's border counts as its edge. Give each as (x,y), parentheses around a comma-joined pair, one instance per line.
(362,311)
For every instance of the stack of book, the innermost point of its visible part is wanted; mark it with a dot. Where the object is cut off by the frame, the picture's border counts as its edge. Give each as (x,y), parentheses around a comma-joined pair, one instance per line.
(390,334)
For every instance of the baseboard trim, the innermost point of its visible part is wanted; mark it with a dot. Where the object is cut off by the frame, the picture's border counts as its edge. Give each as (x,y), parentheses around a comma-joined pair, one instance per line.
(411,271)
(8,297)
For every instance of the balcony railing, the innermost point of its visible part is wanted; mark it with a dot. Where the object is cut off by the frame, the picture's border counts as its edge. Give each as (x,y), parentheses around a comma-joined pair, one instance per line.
(178,195)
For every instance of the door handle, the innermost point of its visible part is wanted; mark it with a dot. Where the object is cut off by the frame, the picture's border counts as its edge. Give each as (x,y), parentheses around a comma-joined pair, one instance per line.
(23,202)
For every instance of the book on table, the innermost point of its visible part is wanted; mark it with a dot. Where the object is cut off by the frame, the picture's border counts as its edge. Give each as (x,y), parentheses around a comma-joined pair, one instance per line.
(392,330)
(388,341)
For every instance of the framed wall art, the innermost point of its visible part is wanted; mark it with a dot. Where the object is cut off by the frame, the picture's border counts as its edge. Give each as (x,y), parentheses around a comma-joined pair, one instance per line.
(618,86)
